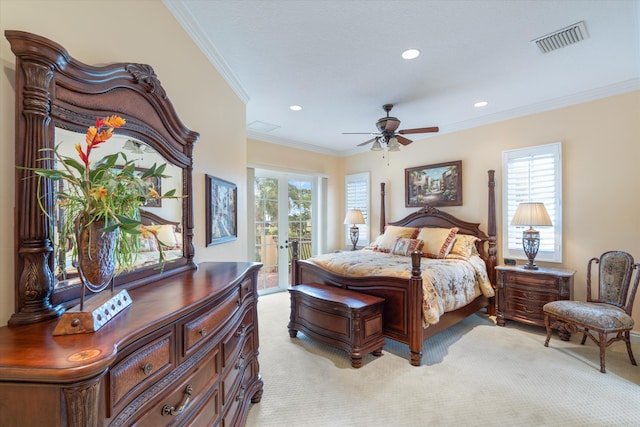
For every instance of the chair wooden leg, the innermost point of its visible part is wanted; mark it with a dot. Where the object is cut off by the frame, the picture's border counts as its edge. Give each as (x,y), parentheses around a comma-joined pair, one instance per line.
(627,340)
(584,336)
(547,324)
(603,347)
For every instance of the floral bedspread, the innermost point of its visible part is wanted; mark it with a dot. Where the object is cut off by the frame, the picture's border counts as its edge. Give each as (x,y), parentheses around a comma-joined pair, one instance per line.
(448,284)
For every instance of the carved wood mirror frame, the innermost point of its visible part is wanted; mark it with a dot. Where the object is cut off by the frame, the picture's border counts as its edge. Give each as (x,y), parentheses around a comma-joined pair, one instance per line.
(55,90)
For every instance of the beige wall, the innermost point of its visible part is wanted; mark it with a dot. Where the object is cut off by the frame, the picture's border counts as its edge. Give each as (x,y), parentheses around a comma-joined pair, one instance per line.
(277,157)
(601,185)
(141,31)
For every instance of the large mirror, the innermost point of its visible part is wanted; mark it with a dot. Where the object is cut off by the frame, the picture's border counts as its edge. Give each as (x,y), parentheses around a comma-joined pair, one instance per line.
(57,98)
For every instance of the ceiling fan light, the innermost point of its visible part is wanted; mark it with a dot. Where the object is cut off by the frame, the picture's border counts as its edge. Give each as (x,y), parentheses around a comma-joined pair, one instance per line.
(376,145)
(393,144)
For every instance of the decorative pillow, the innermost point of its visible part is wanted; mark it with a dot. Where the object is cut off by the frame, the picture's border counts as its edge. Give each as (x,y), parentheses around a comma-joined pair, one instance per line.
(167,236)
(464,245)
(387,240)
(148,244)
(437,241)
(405,246)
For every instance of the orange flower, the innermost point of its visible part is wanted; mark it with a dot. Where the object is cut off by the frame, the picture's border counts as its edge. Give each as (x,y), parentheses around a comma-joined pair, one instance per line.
(153,193)
(96,135)
(99,192)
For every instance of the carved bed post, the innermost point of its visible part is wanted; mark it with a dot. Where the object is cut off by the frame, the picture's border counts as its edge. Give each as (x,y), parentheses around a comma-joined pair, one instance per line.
(383,220)
(33,232)
(415,310)
(491,231)
(294,262)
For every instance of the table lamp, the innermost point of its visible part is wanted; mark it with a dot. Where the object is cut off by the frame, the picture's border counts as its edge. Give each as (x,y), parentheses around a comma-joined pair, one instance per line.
(531,214)
(354,216)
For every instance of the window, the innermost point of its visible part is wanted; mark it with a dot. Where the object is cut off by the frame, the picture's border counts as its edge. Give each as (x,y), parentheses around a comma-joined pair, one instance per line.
(357,194)
(533,174)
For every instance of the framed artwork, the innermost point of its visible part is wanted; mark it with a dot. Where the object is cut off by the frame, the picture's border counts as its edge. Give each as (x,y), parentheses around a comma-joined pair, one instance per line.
(221,215)
(434,185)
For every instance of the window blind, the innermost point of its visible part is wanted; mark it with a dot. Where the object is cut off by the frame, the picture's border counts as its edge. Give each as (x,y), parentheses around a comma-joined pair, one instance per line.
(357,197)
(533,174)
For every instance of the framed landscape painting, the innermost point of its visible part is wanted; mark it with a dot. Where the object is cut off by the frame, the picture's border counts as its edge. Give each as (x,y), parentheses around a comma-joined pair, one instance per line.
(434,185)
(221,214)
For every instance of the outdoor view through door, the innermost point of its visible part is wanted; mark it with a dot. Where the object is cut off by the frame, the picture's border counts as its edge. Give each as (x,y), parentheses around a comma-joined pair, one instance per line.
(283,211)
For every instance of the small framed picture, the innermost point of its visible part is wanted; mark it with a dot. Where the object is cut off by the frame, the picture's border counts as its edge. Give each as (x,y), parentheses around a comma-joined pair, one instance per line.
(222,214)
(434,185)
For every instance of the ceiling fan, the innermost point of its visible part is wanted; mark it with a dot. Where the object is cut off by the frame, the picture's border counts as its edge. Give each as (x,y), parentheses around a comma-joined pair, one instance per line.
(387,134)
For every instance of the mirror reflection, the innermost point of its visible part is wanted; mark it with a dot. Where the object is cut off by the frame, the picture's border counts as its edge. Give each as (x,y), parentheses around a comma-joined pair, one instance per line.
(163,215)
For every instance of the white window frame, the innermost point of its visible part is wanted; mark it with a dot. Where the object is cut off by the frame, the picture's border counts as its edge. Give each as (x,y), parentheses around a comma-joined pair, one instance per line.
(520,185)
(356,190)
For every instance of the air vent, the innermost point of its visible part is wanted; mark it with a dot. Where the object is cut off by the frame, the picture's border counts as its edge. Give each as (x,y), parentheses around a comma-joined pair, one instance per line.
(562,38)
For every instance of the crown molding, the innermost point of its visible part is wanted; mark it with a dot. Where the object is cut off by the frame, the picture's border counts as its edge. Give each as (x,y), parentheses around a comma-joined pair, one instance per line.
(191,27)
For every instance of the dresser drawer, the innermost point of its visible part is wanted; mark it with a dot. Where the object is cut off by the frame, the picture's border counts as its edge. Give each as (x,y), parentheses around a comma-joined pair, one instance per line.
(531,280)
(197,329)
(529,295)
(239,397)
(235,339)
(237,366)
(145,364)
(185,396)
(527,310)
(246,288)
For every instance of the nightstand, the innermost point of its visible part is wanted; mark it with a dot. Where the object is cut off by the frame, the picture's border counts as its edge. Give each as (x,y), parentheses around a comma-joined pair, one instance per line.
(522,293)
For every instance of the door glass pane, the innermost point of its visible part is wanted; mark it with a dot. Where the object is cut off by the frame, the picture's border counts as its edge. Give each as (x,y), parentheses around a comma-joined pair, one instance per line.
(266,207)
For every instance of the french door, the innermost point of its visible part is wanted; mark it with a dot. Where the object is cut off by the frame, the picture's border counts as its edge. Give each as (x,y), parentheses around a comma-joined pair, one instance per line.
(283,212)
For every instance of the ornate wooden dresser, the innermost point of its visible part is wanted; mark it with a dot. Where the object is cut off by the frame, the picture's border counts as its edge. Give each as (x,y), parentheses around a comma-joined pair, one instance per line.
(185,352)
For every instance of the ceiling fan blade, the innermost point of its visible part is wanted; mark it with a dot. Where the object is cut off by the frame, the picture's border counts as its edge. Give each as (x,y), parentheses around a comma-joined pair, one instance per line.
(402,140)
(366,142)
(419,130)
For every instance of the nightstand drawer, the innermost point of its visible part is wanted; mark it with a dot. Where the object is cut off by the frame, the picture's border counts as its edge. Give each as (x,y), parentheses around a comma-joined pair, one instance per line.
(528,295)
(531,280)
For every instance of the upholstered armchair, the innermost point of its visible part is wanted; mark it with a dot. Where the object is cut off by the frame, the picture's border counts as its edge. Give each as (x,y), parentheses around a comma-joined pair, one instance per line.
(609,313)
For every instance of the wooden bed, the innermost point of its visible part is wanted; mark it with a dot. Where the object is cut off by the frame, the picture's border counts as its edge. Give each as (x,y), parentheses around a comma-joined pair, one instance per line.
(403,297)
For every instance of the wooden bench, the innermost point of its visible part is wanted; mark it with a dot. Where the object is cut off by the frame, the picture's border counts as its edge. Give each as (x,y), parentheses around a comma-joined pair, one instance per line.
(345,319)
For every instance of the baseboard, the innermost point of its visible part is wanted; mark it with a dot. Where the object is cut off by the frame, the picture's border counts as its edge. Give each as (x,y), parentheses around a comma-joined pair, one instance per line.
(635,337)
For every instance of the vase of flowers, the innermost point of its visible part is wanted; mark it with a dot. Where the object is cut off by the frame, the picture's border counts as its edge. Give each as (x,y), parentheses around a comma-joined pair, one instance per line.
(101,202)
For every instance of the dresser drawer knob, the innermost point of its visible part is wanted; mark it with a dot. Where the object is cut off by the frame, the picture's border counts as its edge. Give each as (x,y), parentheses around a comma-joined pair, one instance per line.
(170,410)
(242,330)
(240,396)
(240,363)
(147,368)
(203,331)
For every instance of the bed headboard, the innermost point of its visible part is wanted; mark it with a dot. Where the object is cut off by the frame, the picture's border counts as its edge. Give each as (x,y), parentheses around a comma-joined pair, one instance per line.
(429,216)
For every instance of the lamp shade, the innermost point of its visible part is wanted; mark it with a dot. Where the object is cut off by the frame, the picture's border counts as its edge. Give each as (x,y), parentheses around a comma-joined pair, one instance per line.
(531,213)
(376,145)
(354,216)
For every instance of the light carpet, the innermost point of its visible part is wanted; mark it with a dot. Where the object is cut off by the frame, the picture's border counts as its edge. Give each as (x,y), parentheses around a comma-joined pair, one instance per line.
(474,373)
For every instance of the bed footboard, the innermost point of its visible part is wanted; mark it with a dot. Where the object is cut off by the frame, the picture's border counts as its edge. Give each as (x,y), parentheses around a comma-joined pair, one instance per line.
(402,320)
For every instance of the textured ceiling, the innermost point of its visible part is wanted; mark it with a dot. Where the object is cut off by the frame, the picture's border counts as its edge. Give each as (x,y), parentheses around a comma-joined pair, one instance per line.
(340,60)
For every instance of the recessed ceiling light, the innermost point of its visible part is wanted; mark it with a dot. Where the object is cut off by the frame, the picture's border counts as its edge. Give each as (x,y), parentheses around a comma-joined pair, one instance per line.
(410,53)
(480,104)
(295,108)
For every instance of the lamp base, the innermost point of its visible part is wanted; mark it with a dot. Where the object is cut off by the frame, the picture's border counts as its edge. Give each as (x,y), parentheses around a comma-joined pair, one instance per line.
(530,245)
(355,233)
